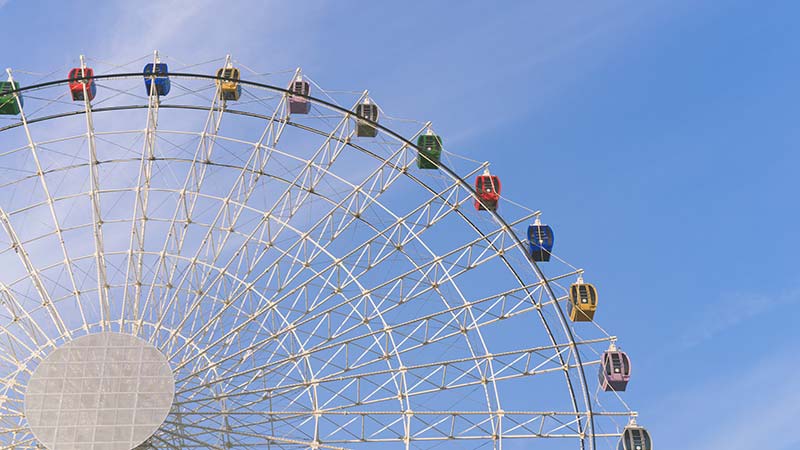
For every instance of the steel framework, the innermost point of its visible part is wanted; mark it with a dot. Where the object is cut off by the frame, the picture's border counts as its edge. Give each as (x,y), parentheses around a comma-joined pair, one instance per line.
(310,289)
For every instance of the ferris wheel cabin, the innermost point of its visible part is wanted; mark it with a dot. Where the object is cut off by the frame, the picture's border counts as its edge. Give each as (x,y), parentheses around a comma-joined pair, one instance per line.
(487,187)
(453,399)
(635,437)
(430,150)
(297,104)
(369,111)
(615,370)
(78,79)
(540,242)
(8,102)
(582,302)
(229,88)
(157,73)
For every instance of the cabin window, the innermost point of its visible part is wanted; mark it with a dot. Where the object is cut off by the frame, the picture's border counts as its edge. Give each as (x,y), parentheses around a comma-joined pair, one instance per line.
(302,88)
(617,363)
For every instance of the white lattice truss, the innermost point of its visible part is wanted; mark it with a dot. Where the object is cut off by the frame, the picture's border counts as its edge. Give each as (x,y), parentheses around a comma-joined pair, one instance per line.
(310,289)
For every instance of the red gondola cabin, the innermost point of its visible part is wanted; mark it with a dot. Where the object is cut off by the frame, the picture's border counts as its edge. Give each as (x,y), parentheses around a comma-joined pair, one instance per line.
(77,81)
(488,189)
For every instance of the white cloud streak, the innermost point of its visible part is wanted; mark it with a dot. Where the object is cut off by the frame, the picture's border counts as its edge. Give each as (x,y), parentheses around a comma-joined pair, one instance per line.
(730,311)
(748,409)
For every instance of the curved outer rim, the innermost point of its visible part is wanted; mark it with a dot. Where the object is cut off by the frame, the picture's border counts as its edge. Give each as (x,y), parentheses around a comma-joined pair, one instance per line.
(464,184)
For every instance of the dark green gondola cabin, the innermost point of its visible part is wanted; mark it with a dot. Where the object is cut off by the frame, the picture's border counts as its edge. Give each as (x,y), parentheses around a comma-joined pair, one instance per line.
(430,151)
(369,111)
(8,102)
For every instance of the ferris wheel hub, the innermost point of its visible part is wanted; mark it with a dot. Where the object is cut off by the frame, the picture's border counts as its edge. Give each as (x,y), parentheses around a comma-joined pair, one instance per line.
(108,390)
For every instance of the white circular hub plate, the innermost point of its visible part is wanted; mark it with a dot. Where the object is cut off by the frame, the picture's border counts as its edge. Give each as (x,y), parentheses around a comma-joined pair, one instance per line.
(104,391)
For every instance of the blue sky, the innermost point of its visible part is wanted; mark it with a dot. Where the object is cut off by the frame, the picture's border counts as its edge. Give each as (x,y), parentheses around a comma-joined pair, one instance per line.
(658,138)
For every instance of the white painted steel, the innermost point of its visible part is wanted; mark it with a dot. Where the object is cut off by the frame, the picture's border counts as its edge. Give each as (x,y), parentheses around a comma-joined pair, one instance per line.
(310,289)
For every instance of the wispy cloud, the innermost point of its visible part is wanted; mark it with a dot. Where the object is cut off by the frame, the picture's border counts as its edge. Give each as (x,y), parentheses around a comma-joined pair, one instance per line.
(196,31)
(562,46)
(139,31)
(730,311)
(738,411)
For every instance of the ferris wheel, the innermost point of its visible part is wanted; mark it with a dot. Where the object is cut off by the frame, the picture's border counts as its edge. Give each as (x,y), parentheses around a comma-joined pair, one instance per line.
(208,256)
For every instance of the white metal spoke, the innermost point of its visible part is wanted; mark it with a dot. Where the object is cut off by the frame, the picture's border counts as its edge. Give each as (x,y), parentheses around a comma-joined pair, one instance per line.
(49,198)
(138,220)
(415,290)
(94,177)
(309,287)
(187,199)
(44,296)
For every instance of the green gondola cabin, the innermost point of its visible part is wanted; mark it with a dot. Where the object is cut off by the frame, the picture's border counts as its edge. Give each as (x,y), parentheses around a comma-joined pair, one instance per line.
(8,101)
(369,111)
(430,150)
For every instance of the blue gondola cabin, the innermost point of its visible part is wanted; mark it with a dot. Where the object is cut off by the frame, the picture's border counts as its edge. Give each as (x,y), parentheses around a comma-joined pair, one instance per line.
(540,242)
(156,78)
(487,188)
(78,78)
(8,102)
